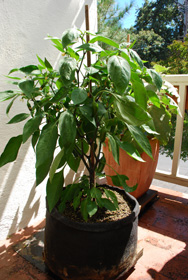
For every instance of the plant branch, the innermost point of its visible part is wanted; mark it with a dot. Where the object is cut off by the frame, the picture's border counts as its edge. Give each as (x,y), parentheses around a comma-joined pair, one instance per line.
(82,157)
(79,69)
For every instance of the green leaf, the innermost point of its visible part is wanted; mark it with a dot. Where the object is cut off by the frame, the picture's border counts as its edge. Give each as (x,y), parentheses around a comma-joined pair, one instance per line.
(129,111)
(27,87)
(83,209)
(161,119)
(150,128)
(69,37)
(64,159)
(87,112)
(101,164)
(104,40)
(31,126)
(54,190)
(105,53)
(68,194)
(90,130)
(13,78)
(92,208)
(11,150)
(72,191)
(48,65)
(153,97)
(59,95)
(28,69)
(92,70)
(8,94)
(41,61)
(56,41)
(120,181)
(72,53)
(101,109)
(10,105)
(67,69)
(35,138)
(67,127)
(78,96)
(108,204)
(83,145)
(125,54)
(136,58)
(90,47)
(130,150)
(13,70)
(140,94)
(112,196)
(160,69)
(114,147)
(55,164)
(132,44)
(45,150)
(73,162)
(19,118)
(96,193)
(120,72)
(156,78)
(141,139)
(117,179)
(76,200)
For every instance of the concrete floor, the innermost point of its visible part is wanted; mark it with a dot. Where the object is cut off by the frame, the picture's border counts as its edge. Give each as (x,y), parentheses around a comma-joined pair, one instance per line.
(166,185)
(162,233)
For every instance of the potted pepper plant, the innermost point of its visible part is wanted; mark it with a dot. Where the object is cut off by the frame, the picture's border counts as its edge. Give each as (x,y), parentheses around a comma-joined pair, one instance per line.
(91,229)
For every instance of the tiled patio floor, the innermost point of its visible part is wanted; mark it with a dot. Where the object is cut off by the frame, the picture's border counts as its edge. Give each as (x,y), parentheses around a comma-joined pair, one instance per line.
(162,233)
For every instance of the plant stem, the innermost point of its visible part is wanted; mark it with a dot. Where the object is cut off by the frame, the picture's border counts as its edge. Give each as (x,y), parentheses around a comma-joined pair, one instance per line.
(92,165)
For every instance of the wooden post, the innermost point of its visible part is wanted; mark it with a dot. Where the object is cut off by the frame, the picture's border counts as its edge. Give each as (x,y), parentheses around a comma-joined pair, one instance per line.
(92,144)
(87,35)
(128,40)
(87,40)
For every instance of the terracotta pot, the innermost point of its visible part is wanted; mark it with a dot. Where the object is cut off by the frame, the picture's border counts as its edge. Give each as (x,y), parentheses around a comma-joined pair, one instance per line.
(82,251)
(140,173)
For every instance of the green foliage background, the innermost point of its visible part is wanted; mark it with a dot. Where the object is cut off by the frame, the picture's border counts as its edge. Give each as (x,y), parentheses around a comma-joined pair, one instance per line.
(158,38)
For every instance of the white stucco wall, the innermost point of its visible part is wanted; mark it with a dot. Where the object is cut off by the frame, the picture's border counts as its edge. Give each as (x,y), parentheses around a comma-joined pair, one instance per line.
(23,26)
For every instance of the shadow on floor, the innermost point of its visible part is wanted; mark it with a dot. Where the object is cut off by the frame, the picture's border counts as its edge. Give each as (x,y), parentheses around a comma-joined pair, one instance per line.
(169,218)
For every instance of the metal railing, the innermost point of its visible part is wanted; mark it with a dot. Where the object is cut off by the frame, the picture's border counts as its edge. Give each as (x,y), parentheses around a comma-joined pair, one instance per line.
(180,81)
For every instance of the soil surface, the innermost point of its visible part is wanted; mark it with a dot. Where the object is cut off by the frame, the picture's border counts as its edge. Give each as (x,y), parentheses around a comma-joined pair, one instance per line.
(102,215)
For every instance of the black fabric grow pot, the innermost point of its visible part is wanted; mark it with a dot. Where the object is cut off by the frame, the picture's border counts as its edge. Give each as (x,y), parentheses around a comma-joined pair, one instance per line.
(86,251)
